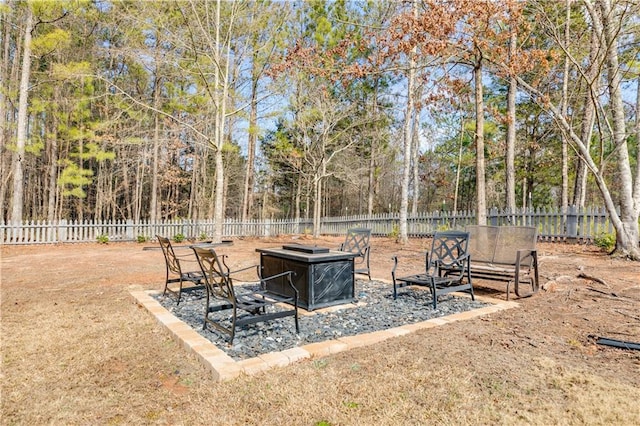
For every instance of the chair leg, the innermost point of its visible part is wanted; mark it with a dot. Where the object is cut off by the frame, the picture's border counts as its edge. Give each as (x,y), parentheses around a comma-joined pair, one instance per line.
(166,283)
(233,326)
(434,294)
(179,292)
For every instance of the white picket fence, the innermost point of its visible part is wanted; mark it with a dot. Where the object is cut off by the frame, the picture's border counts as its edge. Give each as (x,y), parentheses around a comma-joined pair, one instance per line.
(581,225)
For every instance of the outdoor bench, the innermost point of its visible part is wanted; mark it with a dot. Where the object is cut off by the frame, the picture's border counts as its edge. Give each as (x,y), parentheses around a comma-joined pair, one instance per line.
(505,253)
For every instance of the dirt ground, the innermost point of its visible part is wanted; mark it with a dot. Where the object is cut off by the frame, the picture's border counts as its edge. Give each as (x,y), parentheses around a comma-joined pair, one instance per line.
(76,349)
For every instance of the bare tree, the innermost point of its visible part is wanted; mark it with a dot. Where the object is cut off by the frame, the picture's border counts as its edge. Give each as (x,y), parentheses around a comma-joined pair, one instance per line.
(608,19)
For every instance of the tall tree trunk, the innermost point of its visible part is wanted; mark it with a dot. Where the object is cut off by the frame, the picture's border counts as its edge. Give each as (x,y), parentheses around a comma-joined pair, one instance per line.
(298,196)
(317,202)
(459,162)
(52,170)
(192,211)
(153,204)
(563,110)
(139,188)
(372,154)
(372,181)
(126,189)
(407,139)
(481,203)
(79,201)
(247,199)
(636,189)
(588,117)
(53,178)
(511,131)
(5,176)
(6,77)
(627,235)
(220,104)
(415,161)
(18,157)
(100,203)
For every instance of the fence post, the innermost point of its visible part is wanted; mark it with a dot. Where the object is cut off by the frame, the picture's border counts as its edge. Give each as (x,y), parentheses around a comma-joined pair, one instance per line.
(572,223)
(62,230)
(493,216)
(129,229)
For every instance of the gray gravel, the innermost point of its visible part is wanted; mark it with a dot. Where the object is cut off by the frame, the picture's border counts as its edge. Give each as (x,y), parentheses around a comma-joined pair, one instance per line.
(376,311)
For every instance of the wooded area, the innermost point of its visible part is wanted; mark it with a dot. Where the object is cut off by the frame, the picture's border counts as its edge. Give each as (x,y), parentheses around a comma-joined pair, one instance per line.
(114,110)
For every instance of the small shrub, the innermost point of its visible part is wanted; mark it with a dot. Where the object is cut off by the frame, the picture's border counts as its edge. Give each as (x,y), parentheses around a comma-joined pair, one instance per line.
(395,232)
(178,238)
(102,239)
(443,226)
(142,239)
(607,242)
(203,236)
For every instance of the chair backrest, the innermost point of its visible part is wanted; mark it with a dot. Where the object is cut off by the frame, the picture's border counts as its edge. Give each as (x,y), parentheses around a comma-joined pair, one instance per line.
(173,265)
(499,244)
(482,242)
(449,248)
(215,272)
(514,238)
(356,241)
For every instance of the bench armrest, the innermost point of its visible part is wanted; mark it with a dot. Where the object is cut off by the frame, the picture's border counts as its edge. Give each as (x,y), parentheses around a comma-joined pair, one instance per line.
(523,254)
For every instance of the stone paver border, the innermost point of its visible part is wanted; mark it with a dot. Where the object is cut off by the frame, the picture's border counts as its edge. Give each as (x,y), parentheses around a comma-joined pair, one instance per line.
(223,367)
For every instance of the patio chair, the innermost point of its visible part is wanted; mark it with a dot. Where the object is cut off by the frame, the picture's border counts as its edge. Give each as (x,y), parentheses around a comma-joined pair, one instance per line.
(446,267)
(178,270)
(357,241)
(248,307)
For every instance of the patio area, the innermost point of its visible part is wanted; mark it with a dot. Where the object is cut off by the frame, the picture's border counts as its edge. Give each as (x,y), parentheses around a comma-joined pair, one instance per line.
(375,316)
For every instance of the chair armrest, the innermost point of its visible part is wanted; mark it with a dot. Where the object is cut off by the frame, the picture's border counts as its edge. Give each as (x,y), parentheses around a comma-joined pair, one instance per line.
(243,269)
(288,274)
(396,259)
(229,272)
(395,265)
(186,257)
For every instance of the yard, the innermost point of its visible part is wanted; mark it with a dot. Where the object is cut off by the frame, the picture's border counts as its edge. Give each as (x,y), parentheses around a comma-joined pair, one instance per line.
(76,349)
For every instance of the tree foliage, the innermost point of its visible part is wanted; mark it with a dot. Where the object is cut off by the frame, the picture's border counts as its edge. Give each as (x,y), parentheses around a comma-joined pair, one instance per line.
(133,110)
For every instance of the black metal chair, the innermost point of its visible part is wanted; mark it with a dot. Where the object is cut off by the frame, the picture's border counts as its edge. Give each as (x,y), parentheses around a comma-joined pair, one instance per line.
(446,267)
(357,241)
(246,307)
(177,272)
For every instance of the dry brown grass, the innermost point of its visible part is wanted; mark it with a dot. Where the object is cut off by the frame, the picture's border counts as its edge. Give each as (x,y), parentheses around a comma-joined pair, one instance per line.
(77,350)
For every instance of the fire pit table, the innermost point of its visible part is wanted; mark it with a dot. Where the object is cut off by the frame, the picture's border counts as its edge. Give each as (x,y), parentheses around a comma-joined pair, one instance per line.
(323,277)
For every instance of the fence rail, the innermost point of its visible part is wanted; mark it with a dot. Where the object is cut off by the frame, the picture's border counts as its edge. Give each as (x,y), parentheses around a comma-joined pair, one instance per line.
(578,224)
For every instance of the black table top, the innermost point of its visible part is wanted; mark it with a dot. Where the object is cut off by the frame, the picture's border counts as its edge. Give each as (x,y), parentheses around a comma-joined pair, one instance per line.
(318,257)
